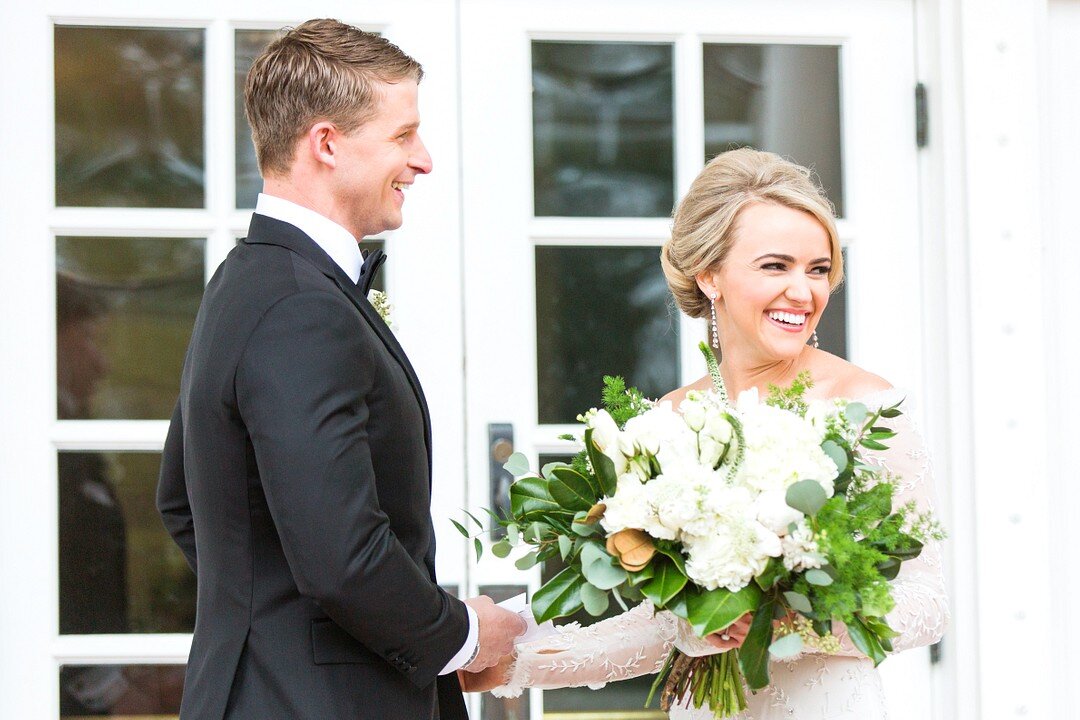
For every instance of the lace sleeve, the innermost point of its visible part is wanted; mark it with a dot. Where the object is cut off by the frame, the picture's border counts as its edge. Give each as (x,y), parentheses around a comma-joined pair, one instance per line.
(631,644)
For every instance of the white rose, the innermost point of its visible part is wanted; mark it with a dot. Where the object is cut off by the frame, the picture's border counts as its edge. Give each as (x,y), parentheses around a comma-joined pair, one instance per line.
(605,433)
(774,513)
(629,507)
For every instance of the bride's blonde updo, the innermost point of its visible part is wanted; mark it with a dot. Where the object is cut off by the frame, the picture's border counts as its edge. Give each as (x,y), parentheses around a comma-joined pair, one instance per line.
(704,223)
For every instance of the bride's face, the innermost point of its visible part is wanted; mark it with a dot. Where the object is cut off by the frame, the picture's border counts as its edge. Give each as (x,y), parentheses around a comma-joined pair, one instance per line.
(774,283)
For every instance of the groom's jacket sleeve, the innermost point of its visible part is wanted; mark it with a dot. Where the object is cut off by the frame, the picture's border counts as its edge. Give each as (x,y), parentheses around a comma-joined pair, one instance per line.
(302,385)
(172,497)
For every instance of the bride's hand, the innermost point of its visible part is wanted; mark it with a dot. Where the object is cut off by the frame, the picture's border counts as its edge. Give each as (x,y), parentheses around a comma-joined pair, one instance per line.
(492,677)
(733,635)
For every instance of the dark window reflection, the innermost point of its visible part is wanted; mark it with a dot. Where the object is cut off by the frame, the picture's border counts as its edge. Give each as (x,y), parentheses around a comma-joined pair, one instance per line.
(125,308)
(603,137)
(781,98)
(120,572)
(129,117)
(601,311)
(120,691)
(249,44)
(832,329)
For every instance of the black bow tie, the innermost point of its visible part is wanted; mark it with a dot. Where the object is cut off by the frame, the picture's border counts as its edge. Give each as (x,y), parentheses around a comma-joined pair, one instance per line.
(373,260)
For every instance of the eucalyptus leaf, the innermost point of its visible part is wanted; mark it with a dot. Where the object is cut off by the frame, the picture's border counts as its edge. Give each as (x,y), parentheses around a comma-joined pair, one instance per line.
(566,545)
(501,549)
(798,602)
(479,547)
(517,464)
(513,533)
(593,551)
(460,528)
(595,600)
(558,597)
(806,496)
(527,561)
(818,577)
(716,609)
(836,453)
(584,529)
(787,646)
(872,444)
(603,574)
(546,470)
(856,413)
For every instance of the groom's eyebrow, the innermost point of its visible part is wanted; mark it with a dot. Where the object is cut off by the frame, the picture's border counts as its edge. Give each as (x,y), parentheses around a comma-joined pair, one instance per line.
(407,127)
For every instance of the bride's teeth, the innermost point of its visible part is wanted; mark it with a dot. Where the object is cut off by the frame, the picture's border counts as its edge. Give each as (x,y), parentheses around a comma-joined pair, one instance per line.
(788,318)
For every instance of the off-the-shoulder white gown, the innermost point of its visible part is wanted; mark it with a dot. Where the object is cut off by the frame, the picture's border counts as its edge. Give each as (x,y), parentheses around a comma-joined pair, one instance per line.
(843,686)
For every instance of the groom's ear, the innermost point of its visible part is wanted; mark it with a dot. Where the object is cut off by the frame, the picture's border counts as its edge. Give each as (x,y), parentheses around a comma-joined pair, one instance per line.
(320,143)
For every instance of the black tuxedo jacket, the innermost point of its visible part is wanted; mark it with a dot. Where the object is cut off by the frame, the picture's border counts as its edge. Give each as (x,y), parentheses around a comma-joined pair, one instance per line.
(296,479)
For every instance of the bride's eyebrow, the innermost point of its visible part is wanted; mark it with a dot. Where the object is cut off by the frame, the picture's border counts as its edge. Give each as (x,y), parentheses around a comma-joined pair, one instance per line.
(790,259)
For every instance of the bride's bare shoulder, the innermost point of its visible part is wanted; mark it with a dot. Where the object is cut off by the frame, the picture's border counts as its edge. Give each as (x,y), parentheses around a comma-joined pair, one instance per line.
(845,379)
(675,397)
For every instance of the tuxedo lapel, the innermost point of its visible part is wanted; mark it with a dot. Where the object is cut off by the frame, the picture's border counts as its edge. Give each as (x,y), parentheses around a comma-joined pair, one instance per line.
(268,231)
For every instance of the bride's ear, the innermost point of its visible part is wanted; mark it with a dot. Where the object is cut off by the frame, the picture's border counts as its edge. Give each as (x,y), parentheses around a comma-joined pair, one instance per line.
(708,285)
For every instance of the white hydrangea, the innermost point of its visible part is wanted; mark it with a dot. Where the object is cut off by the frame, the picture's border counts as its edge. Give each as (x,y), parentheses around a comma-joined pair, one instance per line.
(629,507)
(774,513)
(736,547)
(800,549)
(781,448)
(679,500)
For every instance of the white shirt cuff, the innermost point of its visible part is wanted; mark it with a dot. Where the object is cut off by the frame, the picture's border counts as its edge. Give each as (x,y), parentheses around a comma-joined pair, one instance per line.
(466,651)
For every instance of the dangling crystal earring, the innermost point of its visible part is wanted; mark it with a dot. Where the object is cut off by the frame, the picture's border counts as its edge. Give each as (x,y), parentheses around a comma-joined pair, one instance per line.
(715,333)
(813,339)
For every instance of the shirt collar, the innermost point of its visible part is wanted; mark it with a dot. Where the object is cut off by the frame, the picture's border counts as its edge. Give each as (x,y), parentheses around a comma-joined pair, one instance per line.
(335,240)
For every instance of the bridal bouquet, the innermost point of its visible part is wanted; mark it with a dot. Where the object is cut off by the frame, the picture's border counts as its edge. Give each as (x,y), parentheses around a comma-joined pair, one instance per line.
(712,511)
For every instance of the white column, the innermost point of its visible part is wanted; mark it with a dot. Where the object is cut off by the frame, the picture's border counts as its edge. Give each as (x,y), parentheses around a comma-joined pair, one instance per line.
(1000,45)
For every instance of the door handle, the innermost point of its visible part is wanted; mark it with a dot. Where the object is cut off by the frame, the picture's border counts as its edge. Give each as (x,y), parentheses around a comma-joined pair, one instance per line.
(500,448)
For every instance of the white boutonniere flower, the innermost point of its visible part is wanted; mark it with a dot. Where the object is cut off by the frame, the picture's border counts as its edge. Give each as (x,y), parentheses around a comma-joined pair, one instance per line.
(382,305)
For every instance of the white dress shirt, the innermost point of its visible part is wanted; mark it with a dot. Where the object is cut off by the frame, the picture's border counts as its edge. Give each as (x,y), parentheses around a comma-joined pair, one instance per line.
(344,250)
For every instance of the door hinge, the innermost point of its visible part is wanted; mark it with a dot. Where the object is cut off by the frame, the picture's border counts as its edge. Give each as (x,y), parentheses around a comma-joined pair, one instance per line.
(922,120)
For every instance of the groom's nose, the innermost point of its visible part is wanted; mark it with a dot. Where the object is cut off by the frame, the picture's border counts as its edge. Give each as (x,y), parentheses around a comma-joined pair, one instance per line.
(419,158)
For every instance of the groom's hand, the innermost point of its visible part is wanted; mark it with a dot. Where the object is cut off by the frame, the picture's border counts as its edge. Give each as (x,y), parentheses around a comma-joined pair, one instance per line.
(498,628)
(492,677)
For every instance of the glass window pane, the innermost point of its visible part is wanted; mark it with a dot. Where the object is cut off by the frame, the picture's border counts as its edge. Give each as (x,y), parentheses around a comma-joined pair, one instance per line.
(129,117)
(249,43)
(832,329)
(128,692)
(781,98)
(125,308)
(601,311)
(120,572)
(603,129)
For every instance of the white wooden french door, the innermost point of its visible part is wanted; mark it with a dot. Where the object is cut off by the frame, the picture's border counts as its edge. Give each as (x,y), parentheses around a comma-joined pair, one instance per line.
(582,123)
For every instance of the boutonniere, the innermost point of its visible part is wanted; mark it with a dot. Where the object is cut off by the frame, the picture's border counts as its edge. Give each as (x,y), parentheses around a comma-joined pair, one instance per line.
(382,305)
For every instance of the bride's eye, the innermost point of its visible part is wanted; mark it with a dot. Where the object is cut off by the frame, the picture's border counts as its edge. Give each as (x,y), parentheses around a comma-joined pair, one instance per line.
(773,266)
(821,270)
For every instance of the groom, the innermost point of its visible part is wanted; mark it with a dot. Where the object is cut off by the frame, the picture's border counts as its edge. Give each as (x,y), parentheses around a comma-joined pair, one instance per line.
(297,468)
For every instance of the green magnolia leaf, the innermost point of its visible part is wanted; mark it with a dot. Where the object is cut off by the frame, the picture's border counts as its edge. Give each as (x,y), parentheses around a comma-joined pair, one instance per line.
(673,554)
(716,609)
(517,464)
(889,569)
(836,453)
(559,597)
(798,602)
(856,413)
(753,655)
(571,490)
(806,496)
(527,561)
(513,533)
(679,607)
(460,528)
(866,640)
(594,599)
(667,581)
(479,547)
(546,471)
(604,574)
(602,466)
(787,646)
(818,577)
(646,573)
(529,498)
(566,545)
(501,549)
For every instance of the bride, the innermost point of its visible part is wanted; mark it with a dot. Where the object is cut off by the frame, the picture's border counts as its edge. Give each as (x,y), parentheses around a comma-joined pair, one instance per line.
(754,249)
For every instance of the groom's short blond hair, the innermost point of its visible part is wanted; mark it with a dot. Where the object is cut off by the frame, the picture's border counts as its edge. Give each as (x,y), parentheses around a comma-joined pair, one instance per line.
(320,70)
